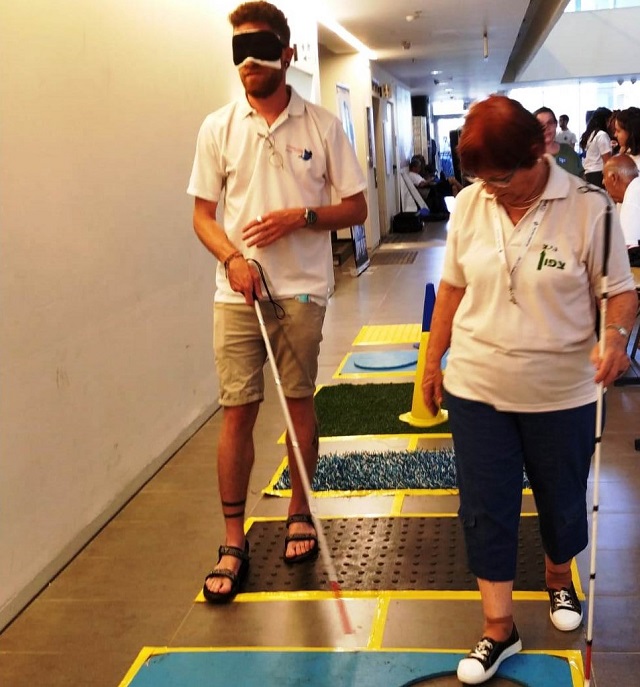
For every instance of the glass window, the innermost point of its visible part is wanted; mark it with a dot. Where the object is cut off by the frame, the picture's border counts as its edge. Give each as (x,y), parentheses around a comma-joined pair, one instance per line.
(590,5)
(576,98)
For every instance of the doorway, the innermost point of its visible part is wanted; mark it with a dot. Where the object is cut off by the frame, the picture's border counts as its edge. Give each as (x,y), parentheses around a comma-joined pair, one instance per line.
(443,128)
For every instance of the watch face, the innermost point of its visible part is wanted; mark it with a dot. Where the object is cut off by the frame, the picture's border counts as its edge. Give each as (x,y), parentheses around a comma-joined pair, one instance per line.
(310,217)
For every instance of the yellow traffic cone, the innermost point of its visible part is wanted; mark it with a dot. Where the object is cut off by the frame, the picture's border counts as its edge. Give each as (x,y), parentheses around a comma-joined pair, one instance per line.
(419,415)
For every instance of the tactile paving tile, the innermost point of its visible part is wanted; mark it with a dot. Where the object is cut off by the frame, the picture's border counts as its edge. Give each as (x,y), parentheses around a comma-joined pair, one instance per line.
(371,334)
(385,554)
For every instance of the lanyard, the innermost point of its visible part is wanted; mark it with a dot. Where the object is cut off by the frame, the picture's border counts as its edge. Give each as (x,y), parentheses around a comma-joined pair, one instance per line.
(499,238)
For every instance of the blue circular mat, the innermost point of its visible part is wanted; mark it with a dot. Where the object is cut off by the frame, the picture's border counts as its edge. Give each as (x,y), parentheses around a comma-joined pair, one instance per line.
(385,360)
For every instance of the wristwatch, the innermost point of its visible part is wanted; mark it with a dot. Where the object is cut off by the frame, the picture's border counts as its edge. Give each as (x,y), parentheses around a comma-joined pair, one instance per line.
(620,329)
(310,217)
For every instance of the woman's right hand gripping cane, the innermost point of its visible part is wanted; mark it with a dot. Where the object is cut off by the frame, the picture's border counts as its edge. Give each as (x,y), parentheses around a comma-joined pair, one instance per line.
(432,387)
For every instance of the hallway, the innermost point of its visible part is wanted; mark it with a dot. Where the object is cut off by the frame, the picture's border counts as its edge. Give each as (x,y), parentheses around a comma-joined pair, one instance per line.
(135,583)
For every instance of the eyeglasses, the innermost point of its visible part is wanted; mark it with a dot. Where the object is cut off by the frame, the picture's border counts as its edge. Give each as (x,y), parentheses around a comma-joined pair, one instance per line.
(497,182)
(275,157)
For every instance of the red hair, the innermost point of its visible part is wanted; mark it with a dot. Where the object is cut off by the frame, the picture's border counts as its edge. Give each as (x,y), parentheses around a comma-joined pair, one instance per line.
(499,134)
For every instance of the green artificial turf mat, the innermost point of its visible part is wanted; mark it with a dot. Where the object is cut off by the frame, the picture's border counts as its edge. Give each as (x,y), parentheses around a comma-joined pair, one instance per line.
(360,409)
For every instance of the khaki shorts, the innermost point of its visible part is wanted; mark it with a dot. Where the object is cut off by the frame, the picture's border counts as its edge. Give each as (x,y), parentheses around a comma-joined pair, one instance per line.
(240,352)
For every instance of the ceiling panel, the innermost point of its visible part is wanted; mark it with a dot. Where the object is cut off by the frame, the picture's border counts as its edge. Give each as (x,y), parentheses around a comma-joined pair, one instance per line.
(445,35)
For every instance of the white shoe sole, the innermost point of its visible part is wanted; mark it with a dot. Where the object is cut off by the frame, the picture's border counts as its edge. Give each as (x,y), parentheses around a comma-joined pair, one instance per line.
(565,621)
(469,679)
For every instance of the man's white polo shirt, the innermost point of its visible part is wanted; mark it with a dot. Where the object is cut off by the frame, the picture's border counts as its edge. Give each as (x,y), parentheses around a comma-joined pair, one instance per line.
(292,164)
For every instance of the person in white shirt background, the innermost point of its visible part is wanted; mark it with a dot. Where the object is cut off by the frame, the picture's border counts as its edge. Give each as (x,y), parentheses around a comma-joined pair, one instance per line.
(564,135)
(622,181)
(596,143)
(415,167)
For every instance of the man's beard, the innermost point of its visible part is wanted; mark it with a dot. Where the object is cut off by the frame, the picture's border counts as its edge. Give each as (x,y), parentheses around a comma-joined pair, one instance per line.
(262,84)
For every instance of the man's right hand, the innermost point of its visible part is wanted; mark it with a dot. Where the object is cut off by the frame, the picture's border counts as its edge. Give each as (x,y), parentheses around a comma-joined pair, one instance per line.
(244,278)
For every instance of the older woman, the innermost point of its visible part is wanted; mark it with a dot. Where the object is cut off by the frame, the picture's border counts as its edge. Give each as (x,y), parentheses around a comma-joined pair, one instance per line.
(516,308)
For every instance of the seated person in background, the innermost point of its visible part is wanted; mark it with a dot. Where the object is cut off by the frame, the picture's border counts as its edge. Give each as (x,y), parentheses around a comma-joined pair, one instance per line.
(429,187)
(565,135)
(565,155)
(622,181)
(415,174)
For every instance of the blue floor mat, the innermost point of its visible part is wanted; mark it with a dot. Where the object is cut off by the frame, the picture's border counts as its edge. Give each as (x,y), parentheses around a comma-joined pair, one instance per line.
(220,668)
(365,365)
(386,360)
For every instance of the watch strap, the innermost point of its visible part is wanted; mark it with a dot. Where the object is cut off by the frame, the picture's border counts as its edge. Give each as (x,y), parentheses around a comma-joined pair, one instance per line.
(310,217)
(623,331)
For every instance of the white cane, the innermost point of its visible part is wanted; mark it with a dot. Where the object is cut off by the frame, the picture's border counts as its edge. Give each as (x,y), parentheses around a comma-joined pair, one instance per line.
(304,478)
(604,287)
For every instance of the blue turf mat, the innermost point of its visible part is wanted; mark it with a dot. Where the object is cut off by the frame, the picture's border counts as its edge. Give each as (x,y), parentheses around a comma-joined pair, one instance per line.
(382,470)
(338,669)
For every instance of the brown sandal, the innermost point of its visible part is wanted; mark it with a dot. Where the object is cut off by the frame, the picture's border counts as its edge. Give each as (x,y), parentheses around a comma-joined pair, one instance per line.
(309,555)
(237,579)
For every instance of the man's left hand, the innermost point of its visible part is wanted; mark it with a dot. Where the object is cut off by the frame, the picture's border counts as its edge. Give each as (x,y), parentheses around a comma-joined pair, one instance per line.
(267,229)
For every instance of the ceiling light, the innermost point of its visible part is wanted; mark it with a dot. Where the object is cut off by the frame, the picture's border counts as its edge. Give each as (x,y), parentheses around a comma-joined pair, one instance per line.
(435,72)
(347,37)
(485,45)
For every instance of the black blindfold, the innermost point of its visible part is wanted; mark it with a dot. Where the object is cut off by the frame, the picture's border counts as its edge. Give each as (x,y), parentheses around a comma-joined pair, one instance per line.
(261,45)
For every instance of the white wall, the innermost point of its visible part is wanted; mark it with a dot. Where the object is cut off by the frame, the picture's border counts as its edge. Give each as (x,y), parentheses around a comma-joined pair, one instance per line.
(589,44)
(353,72)
(106,362)
(400,97)
(405,124)
(356,73)
(105,336)
(303,74)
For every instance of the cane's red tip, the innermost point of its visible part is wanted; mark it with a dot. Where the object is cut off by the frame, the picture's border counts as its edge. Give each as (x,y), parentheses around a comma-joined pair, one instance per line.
(347,627)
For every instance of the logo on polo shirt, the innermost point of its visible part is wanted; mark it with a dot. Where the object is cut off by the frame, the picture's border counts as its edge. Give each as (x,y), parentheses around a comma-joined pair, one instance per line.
(546,259)
(303,154)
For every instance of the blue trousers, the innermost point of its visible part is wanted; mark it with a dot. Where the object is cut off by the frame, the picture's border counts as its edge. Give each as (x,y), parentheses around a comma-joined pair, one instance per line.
(492,448)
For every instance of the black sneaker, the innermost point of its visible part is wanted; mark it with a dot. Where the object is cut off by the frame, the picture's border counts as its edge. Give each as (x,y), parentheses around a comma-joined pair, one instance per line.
(566,610)
(482,663)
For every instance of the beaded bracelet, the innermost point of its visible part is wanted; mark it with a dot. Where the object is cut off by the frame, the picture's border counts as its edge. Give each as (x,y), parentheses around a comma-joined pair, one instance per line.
(227,262)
